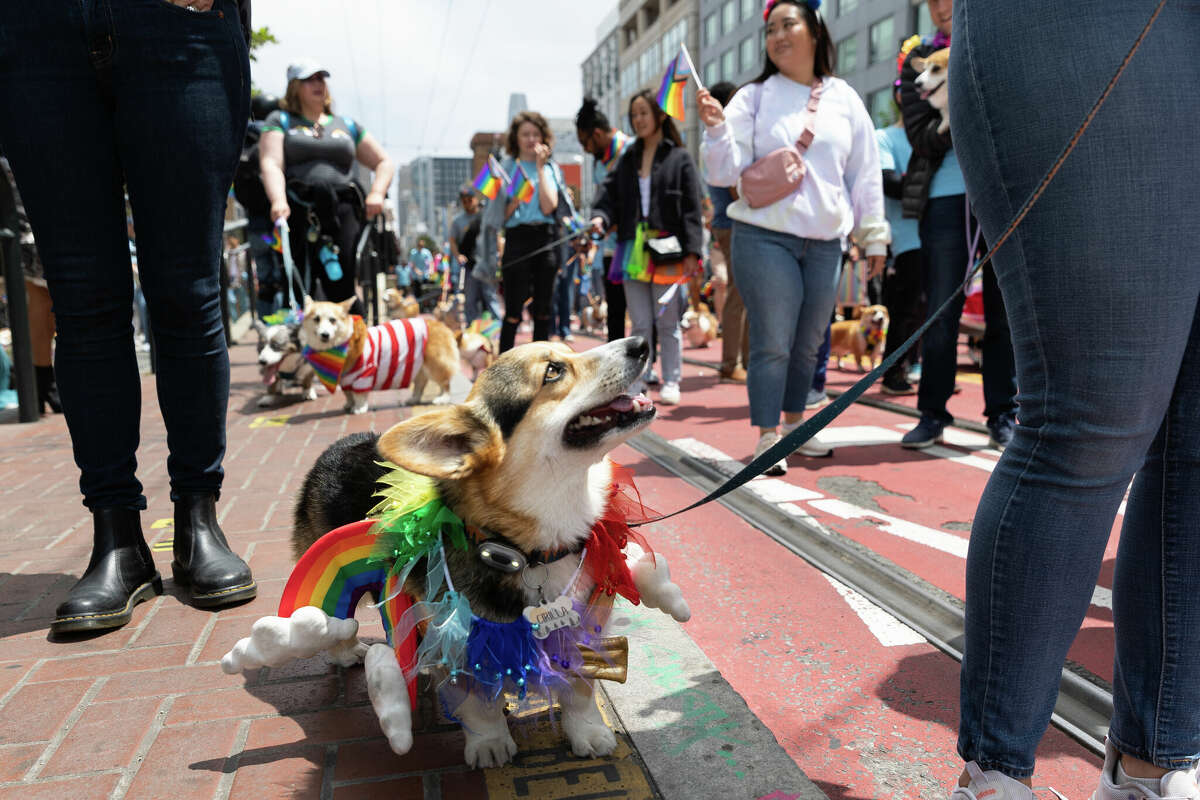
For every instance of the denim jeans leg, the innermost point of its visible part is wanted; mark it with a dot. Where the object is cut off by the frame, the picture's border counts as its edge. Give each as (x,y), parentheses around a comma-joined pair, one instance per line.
(57,128)
(999,366)
(1106,365)
(944,265)
(179,133)
(820,264)
(822,366)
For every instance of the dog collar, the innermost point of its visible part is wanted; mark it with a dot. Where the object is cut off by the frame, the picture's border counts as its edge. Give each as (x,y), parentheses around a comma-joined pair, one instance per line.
(501,553)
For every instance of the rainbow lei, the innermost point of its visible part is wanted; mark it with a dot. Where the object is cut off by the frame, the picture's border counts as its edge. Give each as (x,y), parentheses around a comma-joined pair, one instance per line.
(414,525)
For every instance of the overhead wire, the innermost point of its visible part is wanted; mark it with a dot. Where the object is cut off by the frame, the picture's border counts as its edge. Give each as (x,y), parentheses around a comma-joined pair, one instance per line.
(358,106)
(465,70)
(436,72)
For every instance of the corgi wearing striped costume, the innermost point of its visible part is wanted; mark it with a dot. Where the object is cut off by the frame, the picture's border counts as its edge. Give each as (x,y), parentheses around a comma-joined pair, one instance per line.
(393,355)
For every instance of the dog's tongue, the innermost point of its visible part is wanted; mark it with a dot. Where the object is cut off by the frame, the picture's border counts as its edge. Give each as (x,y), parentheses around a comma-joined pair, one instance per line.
(271,373)
(622,404)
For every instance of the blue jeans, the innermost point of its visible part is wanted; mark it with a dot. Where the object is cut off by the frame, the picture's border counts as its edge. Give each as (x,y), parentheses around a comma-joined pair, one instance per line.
(821,368)
(96,96)
(789,286)
(564,294)
(944,266)
(480,297)
(1103,305)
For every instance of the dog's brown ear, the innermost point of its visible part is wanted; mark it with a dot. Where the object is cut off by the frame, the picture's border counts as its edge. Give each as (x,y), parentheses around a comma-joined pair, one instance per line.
(347,303)
(308,303)
(449,442)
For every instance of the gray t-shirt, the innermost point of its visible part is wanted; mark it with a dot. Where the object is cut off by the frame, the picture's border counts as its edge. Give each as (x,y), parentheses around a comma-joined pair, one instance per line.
(317,154)
(464,231)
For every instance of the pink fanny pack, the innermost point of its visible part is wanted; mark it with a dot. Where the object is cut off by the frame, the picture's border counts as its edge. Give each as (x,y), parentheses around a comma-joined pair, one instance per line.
(779,173)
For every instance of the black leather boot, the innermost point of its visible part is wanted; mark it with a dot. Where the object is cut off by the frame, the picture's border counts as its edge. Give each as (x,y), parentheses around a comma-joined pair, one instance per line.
(203,560)
(47,390)
(120,575)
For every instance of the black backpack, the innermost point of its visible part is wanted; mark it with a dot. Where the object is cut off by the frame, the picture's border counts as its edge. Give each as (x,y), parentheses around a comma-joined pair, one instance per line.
(247,182)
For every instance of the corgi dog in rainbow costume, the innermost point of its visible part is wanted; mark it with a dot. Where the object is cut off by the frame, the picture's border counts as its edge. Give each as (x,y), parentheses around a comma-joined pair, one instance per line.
(494,537)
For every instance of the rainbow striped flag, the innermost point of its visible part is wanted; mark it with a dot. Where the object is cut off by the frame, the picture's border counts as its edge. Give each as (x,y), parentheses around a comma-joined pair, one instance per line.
(670,94)
(274,241)
(522,187)
(487,182)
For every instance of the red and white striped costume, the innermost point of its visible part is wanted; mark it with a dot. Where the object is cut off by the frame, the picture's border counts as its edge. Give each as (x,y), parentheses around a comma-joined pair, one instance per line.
(392,354)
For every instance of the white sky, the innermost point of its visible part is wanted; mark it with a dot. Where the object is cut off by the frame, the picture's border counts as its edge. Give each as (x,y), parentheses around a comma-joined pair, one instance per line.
(423,86)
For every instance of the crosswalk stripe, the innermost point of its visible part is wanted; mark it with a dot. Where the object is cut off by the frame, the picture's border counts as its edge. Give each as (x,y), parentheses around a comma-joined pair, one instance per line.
(890,631)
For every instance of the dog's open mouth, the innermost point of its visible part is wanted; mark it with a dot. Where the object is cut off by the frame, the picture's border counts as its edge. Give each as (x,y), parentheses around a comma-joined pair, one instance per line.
(622,412)
(925,94)
(269,373)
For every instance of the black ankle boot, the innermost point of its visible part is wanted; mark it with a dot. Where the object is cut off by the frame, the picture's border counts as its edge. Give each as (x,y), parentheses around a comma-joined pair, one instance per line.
(203,560)
(47,390)
(120,575)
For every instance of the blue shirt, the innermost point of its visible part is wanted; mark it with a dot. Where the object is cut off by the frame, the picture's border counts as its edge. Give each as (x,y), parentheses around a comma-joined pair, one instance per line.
(894,153)
(948,180)
(530,213)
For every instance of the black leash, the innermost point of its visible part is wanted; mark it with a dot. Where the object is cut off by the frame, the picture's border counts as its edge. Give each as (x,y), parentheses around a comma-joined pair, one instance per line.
(788,444)
(504,264)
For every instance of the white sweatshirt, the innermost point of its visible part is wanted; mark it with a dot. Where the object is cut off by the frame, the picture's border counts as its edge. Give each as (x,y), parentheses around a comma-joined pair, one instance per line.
(842,191)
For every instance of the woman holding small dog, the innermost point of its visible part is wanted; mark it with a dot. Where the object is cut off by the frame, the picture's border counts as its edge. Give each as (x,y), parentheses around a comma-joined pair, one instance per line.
(653,198)
(787,253)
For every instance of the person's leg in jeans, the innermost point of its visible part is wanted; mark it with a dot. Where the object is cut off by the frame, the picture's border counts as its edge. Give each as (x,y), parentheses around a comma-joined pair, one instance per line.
(545,266)
(670,337)
(999,368)
(735,340)
(944,261)
(821,365)
(819,263)
(1081,314)
(518,282)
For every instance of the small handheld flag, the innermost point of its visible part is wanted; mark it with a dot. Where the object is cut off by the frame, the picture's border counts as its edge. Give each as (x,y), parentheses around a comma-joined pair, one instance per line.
(670,93)
(522,187)
(487,183)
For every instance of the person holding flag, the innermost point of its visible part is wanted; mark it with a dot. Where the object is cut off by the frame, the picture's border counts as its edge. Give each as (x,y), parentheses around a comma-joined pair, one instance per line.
(529,263)
(605,144)
(653,200)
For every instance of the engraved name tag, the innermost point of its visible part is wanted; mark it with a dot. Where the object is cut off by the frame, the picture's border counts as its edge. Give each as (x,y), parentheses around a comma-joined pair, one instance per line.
(551,616)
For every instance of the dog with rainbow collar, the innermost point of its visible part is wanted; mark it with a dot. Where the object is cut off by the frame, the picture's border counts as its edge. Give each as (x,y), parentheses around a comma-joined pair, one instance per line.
(493,536)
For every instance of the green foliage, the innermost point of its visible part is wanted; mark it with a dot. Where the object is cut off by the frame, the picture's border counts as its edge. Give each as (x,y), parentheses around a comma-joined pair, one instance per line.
(260,37)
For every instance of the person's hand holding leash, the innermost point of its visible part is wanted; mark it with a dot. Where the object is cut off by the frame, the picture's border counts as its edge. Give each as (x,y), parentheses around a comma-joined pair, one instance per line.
(280,209)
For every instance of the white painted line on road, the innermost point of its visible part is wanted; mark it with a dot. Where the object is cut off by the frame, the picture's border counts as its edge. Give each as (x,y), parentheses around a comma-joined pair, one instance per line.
(938,540)
(698,449)
(890,631)
(774,490)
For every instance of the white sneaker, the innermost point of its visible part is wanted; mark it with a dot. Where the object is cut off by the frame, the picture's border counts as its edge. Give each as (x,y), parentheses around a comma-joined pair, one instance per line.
(991,785)
(765,443)
(813,448)
(1179,784)
(669,394)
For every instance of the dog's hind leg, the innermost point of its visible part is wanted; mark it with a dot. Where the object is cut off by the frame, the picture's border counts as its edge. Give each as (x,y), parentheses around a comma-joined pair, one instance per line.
(389,697)
(583,723)
(489,744)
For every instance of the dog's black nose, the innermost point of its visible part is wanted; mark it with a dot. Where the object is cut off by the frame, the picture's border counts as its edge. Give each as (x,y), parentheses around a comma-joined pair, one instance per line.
(636,347)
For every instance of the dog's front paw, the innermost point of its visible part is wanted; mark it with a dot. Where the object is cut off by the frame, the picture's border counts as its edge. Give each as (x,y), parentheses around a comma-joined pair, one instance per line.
(588,735)
(311,393)
(442,400)
(489,748)
(267,400)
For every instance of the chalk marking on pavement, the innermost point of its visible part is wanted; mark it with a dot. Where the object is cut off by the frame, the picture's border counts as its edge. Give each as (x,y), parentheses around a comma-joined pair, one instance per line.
(890,631)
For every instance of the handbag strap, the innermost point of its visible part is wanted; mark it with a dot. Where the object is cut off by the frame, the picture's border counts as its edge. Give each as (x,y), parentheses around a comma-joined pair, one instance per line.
(814,97)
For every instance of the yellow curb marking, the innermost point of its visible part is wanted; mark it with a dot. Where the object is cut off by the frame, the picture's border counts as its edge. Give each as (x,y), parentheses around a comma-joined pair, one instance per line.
(163,545)
(162,523)
(270,422)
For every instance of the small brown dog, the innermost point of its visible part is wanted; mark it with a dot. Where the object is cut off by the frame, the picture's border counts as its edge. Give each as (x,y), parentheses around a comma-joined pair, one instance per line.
(400,306)
(860,338)
(699,326)
(593,318)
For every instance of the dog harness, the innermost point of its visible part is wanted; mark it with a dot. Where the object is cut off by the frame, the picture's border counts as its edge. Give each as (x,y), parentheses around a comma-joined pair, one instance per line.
(392,354)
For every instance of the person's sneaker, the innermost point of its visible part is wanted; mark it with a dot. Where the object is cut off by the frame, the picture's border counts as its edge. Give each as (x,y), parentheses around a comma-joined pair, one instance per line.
(813,448)
(568,337)
(651,377)
(914,373)
(735,375)
(928,432)
(1000,430)
(668,395)
(896,385)
(816,399)
(1116,785)
(765,442)
(991,785)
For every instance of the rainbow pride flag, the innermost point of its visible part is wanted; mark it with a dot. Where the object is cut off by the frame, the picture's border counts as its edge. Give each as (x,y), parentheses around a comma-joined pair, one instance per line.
(522,187)
(336,571)
(487,182)
(670,94)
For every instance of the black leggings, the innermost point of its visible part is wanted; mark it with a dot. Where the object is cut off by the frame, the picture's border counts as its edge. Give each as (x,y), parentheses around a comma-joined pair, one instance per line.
(533,276)
(346,239)
(906,310)
(614,295)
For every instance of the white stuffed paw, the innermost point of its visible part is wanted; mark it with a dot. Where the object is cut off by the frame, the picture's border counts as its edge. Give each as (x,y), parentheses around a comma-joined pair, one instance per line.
(389,697)
(274,641)
(653,581)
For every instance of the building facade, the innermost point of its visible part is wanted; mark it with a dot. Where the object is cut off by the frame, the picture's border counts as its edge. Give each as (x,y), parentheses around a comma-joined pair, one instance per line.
(649,33)
(867,34)
(435,184)
(601,75)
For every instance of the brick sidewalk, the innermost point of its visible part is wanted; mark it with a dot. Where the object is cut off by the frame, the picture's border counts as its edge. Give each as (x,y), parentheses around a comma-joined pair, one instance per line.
(145,712)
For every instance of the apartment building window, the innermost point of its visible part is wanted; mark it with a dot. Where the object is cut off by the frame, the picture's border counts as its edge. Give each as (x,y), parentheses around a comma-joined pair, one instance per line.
(711,30)
(728,16)
(651,63)
(922,23)
(629,78)
(712,72)
(847,55)
(748,52)
(749,7)
(729,64)
(882,107)
(846,6)
(883,41)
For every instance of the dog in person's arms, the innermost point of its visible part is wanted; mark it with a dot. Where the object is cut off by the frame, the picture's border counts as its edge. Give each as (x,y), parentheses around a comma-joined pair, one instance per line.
(933,83)
(280,362)
(392,355)
(523,464)
(862,338)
